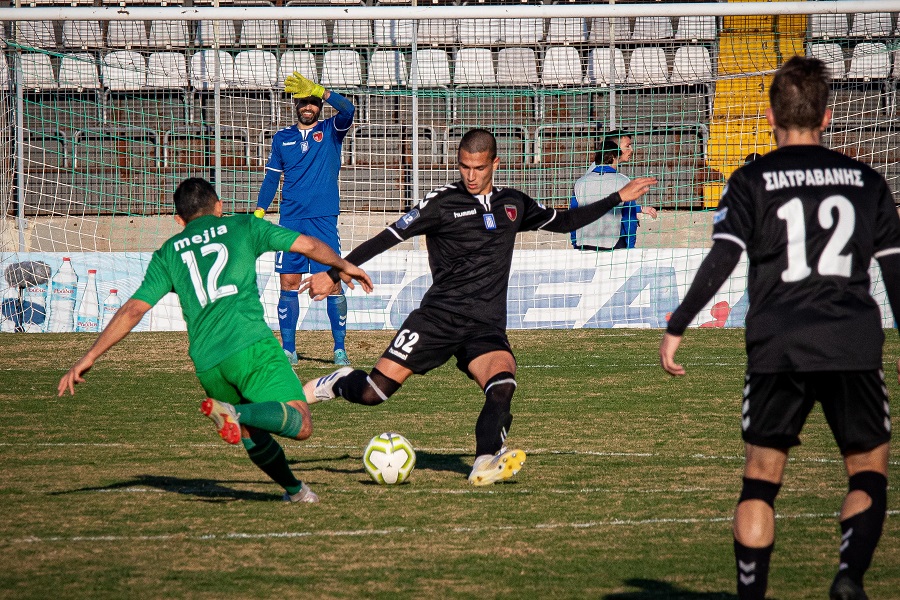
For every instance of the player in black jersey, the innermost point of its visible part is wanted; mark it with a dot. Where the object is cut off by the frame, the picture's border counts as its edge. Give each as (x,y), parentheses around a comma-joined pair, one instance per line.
(810,220)
(470,228)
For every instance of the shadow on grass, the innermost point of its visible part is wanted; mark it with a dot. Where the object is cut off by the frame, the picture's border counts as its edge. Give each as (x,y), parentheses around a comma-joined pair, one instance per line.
(652,589)
(442,462)
(205,489)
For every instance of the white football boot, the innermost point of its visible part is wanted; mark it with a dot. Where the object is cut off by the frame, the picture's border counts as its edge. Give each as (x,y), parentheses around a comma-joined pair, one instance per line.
(490,468)
(225,418)
(321,389)
(304,495)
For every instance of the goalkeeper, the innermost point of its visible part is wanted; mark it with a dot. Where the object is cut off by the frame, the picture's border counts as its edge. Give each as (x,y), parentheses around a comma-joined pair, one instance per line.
(308,154)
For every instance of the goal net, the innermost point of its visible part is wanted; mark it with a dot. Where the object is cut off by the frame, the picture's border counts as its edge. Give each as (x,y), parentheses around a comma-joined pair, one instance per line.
(102,116)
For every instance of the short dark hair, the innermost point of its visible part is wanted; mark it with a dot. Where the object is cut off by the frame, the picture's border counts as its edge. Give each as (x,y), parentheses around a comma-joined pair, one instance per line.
(195,197)
(611,148)
(798,95)
(478,140)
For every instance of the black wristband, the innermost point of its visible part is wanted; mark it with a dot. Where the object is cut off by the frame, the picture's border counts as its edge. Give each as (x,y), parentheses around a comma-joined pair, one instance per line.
(334,273)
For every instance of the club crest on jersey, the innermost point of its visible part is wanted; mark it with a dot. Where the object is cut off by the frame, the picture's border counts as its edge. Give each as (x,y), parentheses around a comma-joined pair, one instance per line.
(511,212)
(407,219)
(318,136)
(489,222)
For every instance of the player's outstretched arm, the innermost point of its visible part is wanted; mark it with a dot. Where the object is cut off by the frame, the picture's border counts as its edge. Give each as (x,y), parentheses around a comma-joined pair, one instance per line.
(636,188)
(125,319)
(667,349)
(576,218)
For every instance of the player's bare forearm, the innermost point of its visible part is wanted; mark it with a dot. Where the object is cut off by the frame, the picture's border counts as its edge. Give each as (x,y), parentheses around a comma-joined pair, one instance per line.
(125,319)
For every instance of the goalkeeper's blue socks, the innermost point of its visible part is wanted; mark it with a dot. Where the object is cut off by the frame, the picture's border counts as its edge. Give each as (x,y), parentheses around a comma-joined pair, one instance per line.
(288,315)
(337,314)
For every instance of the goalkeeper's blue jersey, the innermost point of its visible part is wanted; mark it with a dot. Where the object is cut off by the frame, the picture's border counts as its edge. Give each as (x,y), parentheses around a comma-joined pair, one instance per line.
(310,160)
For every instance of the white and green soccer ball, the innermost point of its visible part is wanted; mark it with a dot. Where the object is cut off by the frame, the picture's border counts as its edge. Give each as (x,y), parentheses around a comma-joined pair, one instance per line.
(389,458)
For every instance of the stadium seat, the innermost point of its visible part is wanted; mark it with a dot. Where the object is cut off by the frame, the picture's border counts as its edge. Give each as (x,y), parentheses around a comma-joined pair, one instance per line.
(474,67)
(124,70)
(393,32)
(352,33)
(255,70)
(696,28)
(869,25)
(437,32)
(37,72)
(82,35)
(306,33)
(524,32)
(648,67)
(832,55)
(433,67)
(206,32)
(169,34)
(203,70)
(341,69)
(37,34)
(301,61)
(561,66)
(599,71)
(652,28)
(566,30)
(870,61)
(78,72)
(126,34)
(167,70)
(600,29)
(827,27)
(479,32)
(387,68)
(260,33)
(692,65)
(517,67)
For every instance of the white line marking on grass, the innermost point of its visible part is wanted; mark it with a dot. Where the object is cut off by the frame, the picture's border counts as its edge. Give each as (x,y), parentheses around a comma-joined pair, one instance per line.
(399,530)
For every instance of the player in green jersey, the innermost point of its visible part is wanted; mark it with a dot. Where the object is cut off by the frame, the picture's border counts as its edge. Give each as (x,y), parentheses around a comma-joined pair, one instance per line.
(211,265)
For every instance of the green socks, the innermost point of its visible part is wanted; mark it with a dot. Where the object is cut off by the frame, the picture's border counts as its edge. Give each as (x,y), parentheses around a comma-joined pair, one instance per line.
(268,455)
(273,417)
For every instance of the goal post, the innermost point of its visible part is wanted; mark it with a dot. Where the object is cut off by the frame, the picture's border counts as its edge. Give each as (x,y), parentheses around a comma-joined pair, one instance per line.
(105,109)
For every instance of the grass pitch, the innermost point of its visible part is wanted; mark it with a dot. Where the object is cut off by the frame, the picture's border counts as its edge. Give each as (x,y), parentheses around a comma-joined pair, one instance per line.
(126,491)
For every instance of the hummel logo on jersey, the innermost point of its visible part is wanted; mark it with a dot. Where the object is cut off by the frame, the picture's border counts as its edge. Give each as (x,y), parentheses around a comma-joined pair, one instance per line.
(719,215)
(317,136)
(465,213)
(288,143)
(489,222)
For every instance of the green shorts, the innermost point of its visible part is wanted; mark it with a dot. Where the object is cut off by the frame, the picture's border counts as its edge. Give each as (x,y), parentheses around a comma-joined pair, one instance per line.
(258,373)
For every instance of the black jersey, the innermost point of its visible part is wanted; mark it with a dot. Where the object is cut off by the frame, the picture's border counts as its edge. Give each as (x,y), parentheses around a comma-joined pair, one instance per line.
(810,220)
(470,242)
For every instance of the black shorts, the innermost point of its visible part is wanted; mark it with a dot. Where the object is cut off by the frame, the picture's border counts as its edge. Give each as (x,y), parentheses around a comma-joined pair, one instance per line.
(429,338)
(855,404)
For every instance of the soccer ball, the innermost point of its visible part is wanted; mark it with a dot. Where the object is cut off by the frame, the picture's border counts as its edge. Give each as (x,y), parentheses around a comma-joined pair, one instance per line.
(389,458)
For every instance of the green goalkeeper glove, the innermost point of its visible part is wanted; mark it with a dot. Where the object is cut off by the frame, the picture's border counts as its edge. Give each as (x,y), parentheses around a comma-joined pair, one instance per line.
(300,87)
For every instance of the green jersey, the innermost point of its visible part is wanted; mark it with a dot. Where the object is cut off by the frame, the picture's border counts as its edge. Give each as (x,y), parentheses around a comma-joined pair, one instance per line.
(211,265)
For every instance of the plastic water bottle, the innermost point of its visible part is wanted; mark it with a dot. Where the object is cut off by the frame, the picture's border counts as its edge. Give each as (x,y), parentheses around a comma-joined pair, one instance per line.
(88,319)
(62,298)
(34,308)
(111,306)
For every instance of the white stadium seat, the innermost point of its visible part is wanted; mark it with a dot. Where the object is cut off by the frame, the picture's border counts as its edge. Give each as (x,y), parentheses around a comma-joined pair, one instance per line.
(828,26)
(167,70)
(599,71)
(652,28)
(37,34)
(474,67)
(600,29)
(124,70)
(517,66)
(696,28)
(433,67)
(393,32)
(871,60)
(341,68)
(301,61)
(566,30)
(82,34)
(479,32)
(255,70)
(439,32)
(871,25)
(648,67)
(352,33)
(260,33)
(207,31)
(692,64)
(78,72)
(387,68)
(169,34)
(525,32)
(203,69)
(561,66)
(37,72)
(126,34)
(832,55)
(306,32)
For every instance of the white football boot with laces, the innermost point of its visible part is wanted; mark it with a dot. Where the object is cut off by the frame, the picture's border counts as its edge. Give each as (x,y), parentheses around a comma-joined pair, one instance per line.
(321,389)
(490,468)
(304,495)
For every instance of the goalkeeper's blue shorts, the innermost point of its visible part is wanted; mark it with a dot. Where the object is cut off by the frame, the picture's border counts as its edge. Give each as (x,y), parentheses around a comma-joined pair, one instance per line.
(323,228)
